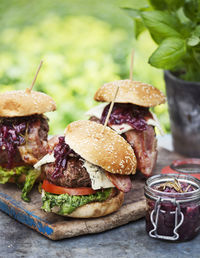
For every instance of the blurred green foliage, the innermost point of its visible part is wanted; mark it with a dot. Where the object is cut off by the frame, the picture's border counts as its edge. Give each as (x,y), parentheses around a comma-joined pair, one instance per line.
(82,45)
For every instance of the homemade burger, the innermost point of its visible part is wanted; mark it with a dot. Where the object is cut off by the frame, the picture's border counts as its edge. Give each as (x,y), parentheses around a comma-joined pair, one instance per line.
(87,171)
(131,117)
(23,136)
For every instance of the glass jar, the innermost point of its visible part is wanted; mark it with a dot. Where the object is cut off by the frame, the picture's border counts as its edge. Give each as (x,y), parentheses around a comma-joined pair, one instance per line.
(172,215)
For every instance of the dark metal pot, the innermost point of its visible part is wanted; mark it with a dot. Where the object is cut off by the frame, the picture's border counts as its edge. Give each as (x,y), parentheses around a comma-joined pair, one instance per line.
(184,110)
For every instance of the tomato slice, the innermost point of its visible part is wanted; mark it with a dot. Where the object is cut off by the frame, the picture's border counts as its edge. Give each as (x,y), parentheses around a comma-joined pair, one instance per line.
(55,189)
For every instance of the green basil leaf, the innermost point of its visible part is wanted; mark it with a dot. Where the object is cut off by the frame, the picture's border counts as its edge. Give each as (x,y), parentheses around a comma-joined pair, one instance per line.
(168,54)
(192,10)
(174,4)
(161,25)
(197,31)
(159,5)
(133,13)
(166,4)
(139,27)
(138,24)
(193,41)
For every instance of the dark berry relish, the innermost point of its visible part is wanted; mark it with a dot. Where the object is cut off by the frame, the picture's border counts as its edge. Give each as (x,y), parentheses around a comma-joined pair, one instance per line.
(170,196)
(127,113)
(13,134)
(62,153)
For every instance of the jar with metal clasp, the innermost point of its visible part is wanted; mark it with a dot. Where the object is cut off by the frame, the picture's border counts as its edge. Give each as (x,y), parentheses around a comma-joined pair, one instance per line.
(173,207)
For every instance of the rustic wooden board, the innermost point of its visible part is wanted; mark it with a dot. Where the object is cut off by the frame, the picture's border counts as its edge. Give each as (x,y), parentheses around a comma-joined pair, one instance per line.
(57,227)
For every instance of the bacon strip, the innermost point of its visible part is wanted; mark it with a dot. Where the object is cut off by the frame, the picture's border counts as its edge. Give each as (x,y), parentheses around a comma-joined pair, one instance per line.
(36,142)
(121,182)
(144,145)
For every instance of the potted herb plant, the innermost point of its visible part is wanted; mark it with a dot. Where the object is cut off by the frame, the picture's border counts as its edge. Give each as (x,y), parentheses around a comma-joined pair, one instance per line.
(175,26)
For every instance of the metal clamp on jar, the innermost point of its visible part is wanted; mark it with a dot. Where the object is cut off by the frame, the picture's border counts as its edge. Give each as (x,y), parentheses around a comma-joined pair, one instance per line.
(173,207)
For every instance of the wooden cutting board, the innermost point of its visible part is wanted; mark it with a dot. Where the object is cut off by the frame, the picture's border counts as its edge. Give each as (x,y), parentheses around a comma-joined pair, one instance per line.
(57,227)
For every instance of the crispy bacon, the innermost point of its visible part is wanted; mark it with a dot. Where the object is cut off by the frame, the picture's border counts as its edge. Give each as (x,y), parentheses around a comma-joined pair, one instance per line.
(121,182)
(36,145)
(33,140)
(52,142)
(144,144)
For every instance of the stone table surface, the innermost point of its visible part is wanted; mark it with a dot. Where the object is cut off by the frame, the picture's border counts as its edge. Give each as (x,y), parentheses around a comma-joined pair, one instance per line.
(131,240)
(17,240)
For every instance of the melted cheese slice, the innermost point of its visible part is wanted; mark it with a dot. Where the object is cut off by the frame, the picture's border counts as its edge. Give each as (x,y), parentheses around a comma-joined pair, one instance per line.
(97,110)
(98,178)
(49,158)
(123,128)
(155,122)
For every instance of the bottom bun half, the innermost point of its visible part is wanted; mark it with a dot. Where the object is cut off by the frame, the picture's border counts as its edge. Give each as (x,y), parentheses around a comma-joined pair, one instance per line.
(97,209)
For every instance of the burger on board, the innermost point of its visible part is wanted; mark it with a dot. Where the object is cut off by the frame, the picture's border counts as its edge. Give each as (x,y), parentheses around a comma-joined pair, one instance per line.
(131,117)
(23,136)
(88,170)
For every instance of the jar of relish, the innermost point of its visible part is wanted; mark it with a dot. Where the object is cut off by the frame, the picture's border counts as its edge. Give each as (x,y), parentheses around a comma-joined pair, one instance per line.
(173,207)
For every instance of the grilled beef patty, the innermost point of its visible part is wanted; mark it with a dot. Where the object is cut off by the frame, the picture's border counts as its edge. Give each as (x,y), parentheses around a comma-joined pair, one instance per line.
(75,174)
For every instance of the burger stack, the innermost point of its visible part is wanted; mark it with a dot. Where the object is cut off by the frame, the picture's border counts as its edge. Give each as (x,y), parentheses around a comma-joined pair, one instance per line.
(131,117)
(86,171)
(23,136)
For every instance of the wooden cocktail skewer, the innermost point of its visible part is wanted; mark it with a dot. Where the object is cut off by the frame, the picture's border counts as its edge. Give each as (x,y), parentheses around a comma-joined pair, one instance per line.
(33,82)
(131,66)
(110,109)
(117,89)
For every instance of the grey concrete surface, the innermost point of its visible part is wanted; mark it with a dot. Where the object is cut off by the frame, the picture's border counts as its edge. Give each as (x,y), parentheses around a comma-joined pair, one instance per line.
(131,240)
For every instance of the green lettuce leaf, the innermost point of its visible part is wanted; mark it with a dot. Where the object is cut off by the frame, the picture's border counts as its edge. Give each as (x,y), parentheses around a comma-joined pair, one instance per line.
(68,203)
(31,177)
(6,174)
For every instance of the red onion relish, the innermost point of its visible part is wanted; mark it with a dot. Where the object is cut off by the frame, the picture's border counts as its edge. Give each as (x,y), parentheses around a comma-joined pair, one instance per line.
(127,113)
(13,134)
(167,188)
(173,207)
(62,153)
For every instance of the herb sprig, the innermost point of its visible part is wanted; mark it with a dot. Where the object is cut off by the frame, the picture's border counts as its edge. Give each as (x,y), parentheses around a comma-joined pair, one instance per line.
(174,185)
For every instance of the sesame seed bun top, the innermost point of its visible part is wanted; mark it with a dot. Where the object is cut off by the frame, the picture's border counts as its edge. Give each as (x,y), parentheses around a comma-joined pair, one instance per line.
(138,93)
(106,149)
(25,103)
